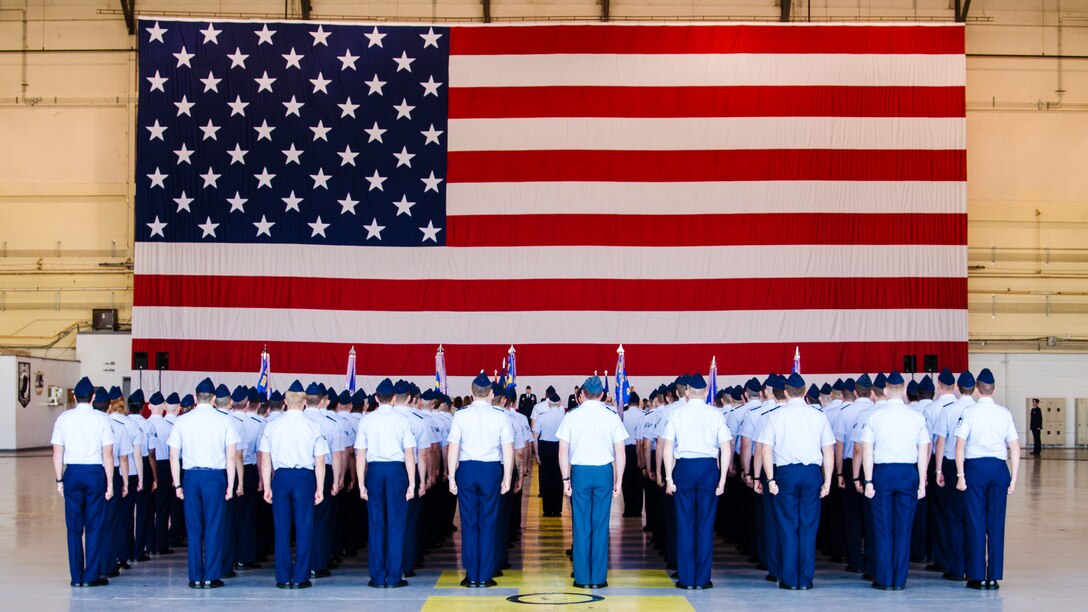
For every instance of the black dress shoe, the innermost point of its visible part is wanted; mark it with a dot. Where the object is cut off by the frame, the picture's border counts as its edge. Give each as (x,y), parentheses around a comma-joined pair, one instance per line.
(497,574)
(115,573)
(951,576)
(281,585)
(993,585)
(97,583)
(708,585)
(975,584)
(881,587)
(761,566)
(124,565)
(410,574)
(252,565)
(505,566)
(302,585)
(487,585)
(399,584)
(786,587)
(322,573)
(807,587)
(671,566)
(675,575)
(213,584)
(770,578)
(375,585)
(933,567)
(868,577)
(231,574)
(143,558)
(76,584)
(196,585)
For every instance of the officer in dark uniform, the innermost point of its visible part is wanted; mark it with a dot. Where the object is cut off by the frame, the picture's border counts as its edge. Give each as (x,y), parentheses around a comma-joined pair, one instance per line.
(526,402)
(1036,427)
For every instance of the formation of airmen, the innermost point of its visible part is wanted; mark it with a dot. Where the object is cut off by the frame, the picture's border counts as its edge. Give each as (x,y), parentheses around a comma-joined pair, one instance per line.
(872,472)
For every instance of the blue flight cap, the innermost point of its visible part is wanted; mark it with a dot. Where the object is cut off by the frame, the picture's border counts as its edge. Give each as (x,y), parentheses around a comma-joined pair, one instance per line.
(497,389)
(695,381)
(481,380)
(553,396)
(825,389)
(895,378)
(839,385)
(671,388)
(880,381)
(795,380)
(912,388)
(927,384)
(593,385)
(222,391)
(276,396)
(966,380)
(512,394)
(653,394)
(429,395)
(137,397)
(986,377)
(662,389)
(115,393)
(296,387)
(101,396)
(334,401)
(314,389)
(188,401)
(813,391)
(413,389)
(253,395)
(777,382)
(358,399)
(681,380)
(345,397)
(549,390)
(864,381)
(321,388)
(173,399)
(385,387)
(401,388)
(946,378)
(239,395)
(850,385)
(331,393)
(206,386)
(156,399)
(753,385)
(737,393)
(84,388)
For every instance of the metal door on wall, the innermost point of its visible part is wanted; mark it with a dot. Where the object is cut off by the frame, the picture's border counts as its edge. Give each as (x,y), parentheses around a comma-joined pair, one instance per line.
(1082,421)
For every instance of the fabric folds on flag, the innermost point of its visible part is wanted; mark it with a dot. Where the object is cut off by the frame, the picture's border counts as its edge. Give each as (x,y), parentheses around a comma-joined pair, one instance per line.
(610,167)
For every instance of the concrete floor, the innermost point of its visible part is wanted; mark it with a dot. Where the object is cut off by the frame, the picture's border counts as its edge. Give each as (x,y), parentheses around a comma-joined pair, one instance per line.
(1046,557)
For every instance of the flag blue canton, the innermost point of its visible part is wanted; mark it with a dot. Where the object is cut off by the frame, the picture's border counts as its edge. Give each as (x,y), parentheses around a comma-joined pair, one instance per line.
(292,133)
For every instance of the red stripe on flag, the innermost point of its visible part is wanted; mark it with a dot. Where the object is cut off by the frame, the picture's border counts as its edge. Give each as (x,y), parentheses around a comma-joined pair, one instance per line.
(730,165)
(741,101)
(550,294)
(706,230)
(666,360)
(654,39)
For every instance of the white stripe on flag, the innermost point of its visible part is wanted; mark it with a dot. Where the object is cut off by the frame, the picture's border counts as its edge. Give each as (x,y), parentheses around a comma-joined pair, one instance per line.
(527,327)
(792,261)
(707,70)
(706,133)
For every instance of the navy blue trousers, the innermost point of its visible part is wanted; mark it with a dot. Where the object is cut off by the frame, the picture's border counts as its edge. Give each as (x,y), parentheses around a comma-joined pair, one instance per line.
(230,531)
(84,515)
(386,486)
(797,514)
(478,484)
(293,506)
(696,481)
(111,550)
(935,519)
(143,539)
(591,505)
(853,521)
(126,526)
(164,500)
(322,548)
(955,510)
(893,507)
(986,497)
(411,530)
(246,522)
(502,528)
(772,548)
(204,504)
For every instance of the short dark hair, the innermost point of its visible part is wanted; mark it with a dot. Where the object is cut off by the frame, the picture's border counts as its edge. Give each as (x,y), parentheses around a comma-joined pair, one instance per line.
(986,388)
(1035,399)
(383,398)
(792,392)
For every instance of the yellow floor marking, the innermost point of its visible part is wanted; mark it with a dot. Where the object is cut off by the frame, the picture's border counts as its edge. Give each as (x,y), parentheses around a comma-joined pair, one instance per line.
(626,603)
(535,581)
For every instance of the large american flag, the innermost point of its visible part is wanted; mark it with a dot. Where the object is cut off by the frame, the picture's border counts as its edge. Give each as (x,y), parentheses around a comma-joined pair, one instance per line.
(688,190)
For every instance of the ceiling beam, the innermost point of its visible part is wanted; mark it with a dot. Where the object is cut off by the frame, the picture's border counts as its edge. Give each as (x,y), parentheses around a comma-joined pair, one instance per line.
(128,8)
(785,6)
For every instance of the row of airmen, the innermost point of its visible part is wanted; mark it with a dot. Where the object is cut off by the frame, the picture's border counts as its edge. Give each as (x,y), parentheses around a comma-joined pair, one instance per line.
(861,469)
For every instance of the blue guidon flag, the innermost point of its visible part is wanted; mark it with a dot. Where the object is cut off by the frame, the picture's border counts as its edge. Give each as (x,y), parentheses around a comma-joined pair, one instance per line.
(690,190)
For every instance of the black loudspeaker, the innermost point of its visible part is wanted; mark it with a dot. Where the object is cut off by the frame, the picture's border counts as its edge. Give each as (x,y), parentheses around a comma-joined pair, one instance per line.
(910,364)
(139,361)
(930,363)
(162,361)
(104,319)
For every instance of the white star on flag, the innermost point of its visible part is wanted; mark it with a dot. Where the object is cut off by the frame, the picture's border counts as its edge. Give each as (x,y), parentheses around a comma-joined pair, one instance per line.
(374,84)
(183,202)
(376,182)
(238,155)
(321,37)
(264,131)
(211,35)
(265,82)
(430,39)
(318,228)
(211,178)
(156,33)
(293,155)
(184,106)
(375,38)
(404,110)
(347,109)
(321,179)
(431,183)
(348,205)
(264,226)
(404,158)
(238,59)
(404,207)
(237,203)
(347,60)
(404,62)
(264,179)
(211,83)
(375,133)
(432,135)
(320,83)
(208,228)
(156,131)
(209,130)
(157,227)
(374,230)
(293,107)
(347,156)
(292,202)
(157,82)
(184,153)
(158,179)
(183,57)
(320,131)
(430,87)
(264,35)
(430,232)
(237,107)
(293,59)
